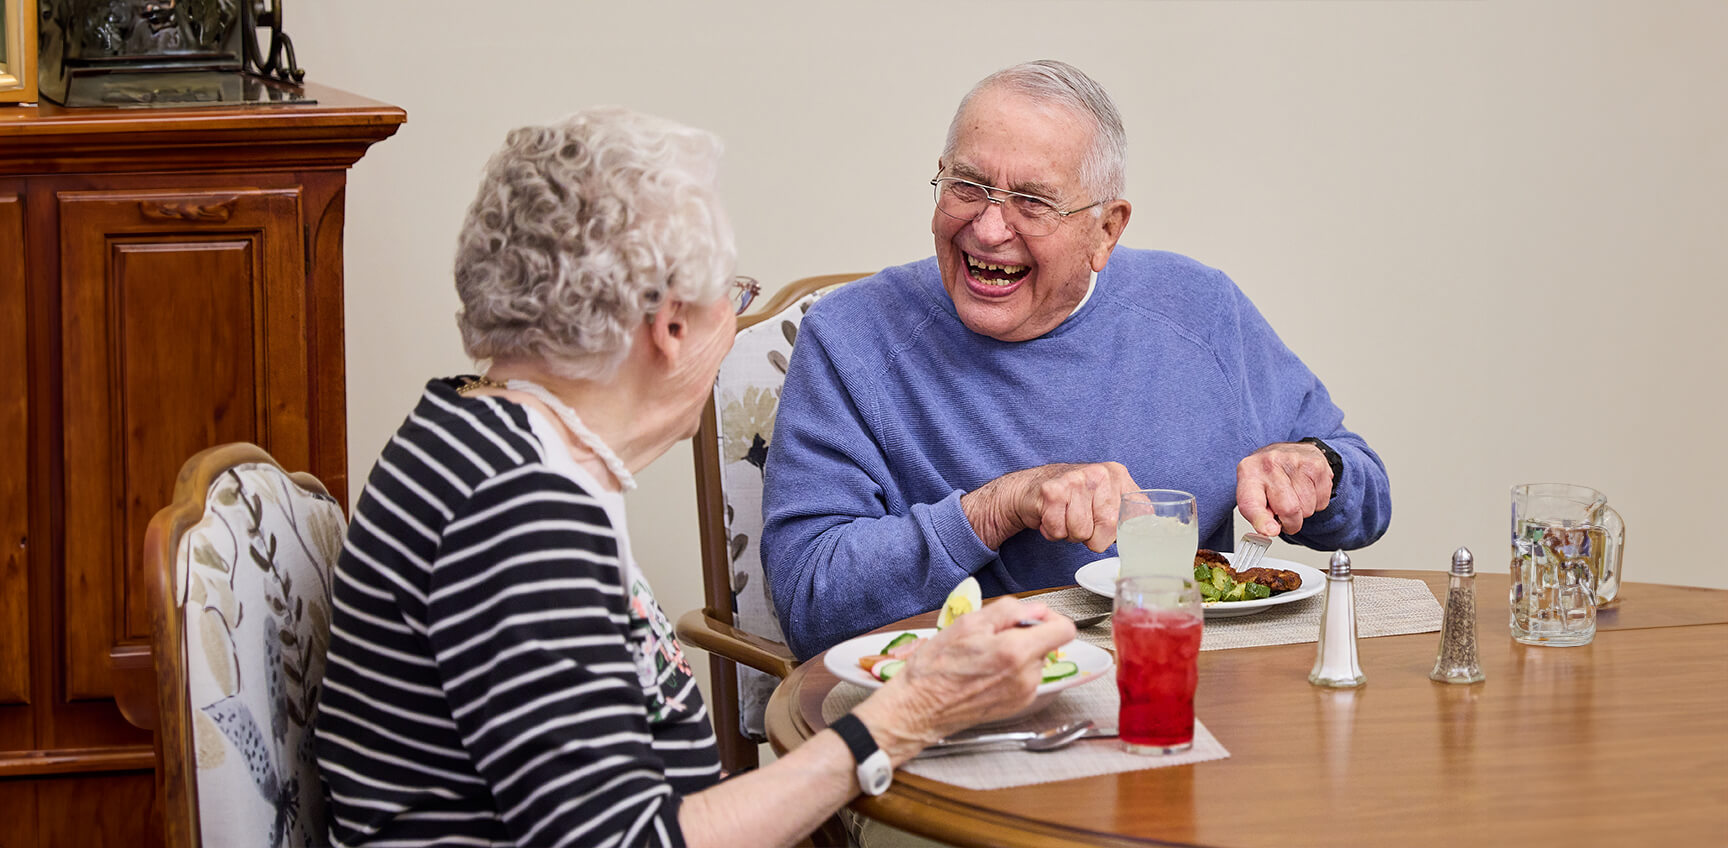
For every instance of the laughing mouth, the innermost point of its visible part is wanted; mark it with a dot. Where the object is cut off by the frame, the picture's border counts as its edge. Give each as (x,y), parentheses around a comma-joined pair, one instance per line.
(994,274)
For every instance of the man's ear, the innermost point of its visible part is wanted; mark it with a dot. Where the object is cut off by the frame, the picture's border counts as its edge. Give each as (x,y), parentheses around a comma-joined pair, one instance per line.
(1111,223)
(669,329)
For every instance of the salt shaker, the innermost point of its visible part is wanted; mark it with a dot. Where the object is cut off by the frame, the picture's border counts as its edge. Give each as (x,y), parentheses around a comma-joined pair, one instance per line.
(1457,661)
(1335,666)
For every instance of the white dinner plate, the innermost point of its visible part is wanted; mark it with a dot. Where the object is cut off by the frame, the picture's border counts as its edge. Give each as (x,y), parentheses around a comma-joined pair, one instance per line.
(842,660)
(1099,576)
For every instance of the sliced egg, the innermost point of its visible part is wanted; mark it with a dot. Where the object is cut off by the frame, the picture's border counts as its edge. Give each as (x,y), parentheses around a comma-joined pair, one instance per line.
(965,598)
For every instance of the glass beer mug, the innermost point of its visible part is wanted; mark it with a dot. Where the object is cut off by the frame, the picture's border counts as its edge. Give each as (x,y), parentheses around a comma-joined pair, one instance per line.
(1566,546)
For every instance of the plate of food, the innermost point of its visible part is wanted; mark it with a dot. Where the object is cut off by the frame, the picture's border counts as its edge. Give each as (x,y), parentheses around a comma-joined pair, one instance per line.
(872,659)
(1281,582)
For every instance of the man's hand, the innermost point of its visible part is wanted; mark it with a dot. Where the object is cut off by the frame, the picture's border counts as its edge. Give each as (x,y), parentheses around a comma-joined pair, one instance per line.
(1281,484)
(1065,502)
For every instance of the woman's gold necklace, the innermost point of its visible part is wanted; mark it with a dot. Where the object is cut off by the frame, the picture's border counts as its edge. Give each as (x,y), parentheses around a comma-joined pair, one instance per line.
(481,382)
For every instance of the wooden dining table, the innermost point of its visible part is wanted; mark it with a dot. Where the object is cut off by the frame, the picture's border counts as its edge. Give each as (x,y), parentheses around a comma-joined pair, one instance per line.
(1620,742)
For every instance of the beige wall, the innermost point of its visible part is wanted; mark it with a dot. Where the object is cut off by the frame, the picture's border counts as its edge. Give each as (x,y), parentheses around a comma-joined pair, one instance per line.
(1497,230)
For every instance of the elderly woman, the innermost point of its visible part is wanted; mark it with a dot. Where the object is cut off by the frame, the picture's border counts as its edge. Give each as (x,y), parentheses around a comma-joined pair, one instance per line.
(499,671)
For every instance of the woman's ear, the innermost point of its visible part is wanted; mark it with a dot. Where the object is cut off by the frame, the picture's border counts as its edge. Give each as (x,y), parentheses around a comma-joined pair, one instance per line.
(669,329)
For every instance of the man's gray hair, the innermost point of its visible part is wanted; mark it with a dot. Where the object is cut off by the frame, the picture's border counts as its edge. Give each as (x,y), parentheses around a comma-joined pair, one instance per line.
(581,230)
(1104,169)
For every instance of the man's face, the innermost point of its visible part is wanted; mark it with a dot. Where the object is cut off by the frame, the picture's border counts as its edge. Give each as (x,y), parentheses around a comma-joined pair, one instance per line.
(1005,285)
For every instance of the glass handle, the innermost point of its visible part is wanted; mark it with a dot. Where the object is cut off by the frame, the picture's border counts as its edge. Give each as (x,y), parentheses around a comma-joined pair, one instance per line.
(1615,533)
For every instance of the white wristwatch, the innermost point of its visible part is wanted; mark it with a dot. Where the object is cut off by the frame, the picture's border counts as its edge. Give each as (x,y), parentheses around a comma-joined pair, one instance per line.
(875,772)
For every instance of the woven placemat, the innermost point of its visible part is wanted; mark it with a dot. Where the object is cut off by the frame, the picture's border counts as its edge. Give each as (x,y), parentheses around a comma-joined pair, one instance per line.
(1385,606)
(999,769)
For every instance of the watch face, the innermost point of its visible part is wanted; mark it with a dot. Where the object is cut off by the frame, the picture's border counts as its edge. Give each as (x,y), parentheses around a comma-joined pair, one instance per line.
(875,773)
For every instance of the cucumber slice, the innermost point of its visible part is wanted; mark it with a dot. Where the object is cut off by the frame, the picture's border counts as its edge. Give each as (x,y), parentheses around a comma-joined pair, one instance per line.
(1221,581)
(889,668)
(1060,669)
(897,641)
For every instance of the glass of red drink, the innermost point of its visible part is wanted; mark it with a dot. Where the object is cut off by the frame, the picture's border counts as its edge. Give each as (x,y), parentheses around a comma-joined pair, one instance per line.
(1157,627)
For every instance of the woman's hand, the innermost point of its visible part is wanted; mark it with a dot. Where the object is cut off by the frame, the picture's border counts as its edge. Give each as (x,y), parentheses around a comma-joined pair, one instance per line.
(981,667)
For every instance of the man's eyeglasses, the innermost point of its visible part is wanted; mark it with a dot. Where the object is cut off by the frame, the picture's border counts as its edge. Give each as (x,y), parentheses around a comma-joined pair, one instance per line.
(744,290)
(1027,214)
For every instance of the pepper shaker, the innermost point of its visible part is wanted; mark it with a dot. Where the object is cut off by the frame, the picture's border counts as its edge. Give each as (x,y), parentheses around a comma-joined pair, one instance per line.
(1456,662)
(1335,665)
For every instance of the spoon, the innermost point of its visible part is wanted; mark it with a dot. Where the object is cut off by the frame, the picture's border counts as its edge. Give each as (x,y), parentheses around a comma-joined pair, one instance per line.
(1049,739)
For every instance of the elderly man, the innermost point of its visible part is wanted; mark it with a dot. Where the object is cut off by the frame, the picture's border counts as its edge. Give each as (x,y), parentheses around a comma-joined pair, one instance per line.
(982,411)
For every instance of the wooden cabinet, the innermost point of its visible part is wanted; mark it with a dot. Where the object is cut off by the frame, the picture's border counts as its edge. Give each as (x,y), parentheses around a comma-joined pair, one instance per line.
(169,280)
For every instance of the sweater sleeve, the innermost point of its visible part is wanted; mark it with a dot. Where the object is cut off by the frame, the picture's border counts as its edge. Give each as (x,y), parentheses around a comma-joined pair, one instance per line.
(835,524)
(527,624)
(1285,402)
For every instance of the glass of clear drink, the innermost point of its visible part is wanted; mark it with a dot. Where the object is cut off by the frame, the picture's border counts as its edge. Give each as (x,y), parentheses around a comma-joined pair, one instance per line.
(1566,552)
(1156,626)
(1157,532)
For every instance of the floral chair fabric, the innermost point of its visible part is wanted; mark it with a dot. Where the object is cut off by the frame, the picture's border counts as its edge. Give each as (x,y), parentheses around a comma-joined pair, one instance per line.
(746,397)
(252,583)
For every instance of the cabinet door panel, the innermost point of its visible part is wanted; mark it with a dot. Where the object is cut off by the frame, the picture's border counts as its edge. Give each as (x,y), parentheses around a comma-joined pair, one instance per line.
(18,811)
(14,467)
(96,810)
(183,326)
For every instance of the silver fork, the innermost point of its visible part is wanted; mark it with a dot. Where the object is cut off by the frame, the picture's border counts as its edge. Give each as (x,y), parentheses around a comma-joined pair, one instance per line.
(1085,621)
(1249,552)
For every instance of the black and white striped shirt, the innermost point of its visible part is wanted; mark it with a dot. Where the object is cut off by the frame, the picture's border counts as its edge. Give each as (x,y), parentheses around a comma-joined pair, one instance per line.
(499,672)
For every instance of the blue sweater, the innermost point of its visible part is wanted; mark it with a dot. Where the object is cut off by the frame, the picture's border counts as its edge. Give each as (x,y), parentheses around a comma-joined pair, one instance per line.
(893,409)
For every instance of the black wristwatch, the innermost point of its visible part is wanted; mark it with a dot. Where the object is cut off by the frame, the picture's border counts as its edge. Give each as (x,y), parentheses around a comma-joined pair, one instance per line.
(1332,459)
(875,772)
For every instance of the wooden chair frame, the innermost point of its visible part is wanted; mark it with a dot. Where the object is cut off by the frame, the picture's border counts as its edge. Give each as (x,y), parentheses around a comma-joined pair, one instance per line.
(150,680)
(711,628)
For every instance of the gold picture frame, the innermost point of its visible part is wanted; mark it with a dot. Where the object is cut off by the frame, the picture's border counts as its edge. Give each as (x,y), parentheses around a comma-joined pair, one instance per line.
(17,51)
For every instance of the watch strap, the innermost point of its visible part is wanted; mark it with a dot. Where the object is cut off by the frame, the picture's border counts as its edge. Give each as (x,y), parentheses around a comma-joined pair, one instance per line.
(1332,459)
(856,736)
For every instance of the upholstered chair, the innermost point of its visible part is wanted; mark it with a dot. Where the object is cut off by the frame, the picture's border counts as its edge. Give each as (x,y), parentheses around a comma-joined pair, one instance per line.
(738,626)
(238,572)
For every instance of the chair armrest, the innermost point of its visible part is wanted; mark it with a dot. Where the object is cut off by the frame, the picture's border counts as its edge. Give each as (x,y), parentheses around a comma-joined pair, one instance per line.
(710,634)
(134,676)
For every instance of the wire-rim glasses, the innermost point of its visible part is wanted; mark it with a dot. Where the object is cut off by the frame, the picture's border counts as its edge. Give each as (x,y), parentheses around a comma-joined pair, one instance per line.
(744,290)
(1026,214)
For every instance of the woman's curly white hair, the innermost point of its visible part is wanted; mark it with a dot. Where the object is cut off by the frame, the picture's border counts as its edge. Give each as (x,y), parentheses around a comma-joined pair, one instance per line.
(581,230)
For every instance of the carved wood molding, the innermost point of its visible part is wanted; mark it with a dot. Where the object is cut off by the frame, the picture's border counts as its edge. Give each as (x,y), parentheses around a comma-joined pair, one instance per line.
(134,674)
(77,761)
(201,210)
(333,133)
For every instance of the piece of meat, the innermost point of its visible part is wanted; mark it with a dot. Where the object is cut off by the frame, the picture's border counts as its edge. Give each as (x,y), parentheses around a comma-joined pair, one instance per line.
(1276,579)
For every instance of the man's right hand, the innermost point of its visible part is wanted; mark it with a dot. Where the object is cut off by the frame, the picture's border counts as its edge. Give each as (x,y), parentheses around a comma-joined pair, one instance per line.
(1064,502)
